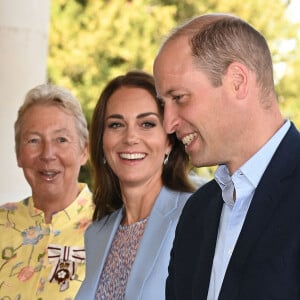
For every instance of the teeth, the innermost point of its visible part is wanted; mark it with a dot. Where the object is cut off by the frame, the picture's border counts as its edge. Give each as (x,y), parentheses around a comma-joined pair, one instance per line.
(188,139)
(49,173)
(132,155)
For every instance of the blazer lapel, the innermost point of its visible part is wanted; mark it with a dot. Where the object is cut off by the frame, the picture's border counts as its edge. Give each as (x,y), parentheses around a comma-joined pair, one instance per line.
(267,196)
(98,240)
(207,244)
(259,215)
(155,233)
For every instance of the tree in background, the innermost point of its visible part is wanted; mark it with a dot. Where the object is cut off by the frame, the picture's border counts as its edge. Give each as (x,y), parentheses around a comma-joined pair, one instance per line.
(91,41)
(288,87)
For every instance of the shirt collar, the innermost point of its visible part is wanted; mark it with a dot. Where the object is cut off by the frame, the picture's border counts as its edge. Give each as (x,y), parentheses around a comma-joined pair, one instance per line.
(257,164)
(252,169)
(84,199)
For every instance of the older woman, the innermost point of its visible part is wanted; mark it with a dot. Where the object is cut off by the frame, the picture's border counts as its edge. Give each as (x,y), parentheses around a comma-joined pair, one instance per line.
(140,188)
(41,245)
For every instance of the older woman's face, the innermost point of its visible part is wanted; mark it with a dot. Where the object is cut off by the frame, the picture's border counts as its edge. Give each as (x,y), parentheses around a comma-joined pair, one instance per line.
(134,140)
(50,152)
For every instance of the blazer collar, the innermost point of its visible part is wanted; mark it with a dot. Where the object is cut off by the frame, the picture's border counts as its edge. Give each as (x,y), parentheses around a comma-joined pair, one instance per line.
(211,220)
(100,236)
(98,239)
(156,231)
(267,196)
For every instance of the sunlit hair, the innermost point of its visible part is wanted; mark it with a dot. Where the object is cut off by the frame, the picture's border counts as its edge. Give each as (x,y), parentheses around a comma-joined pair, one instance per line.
(106,187)
(217,40)
(51,95)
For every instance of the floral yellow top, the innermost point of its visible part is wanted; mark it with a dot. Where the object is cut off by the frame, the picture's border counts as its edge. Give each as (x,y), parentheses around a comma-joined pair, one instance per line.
(42,261)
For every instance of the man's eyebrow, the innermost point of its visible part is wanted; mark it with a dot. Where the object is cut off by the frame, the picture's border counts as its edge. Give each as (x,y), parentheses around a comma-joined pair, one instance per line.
(169,92)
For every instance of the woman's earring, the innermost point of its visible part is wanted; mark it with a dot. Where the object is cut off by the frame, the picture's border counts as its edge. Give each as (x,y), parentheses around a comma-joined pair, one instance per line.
(166,158)
(104,160)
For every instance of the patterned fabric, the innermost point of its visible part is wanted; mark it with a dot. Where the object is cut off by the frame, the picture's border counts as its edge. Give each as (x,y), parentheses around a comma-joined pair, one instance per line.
(118,264)
(42,261)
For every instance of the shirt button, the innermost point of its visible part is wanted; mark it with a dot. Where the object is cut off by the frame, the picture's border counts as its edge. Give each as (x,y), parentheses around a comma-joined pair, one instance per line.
(230,251)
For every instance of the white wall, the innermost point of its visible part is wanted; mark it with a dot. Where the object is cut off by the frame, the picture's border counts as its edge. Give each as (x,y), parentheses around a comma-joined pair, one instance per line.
(23,53)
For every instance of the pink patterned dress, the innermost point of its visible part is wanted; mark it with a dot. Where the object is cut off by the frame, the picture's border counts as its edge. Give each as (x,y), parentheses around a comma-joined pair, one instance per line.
(113,280)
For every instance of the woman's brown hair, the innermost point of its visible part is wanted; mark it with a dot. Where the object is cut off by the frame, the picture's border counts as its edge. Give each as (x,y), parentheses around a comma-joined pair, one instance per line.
(106,188)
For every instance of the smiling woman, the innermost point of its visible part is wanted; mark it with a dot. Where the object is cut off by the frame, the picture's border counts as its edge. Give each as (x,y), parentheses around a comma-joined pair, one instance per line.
(50,156)
(134,141)
(42,236)
(140,188)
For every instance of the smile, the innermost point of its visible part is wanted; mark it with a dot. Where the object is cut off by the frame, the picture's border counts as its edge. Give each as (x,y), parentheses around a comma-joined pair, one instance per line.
(49,174)
(132,156)
(188,139)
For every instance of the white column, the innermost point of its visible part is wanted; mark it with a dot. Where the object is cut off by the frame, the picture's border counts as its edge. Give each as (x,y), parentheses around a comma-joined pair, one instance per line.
(23,53)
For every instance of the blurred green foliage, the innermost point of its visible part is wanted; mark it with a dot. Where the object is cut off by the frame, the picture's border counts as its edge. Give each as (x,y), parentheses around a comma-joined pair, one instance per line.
(92,41)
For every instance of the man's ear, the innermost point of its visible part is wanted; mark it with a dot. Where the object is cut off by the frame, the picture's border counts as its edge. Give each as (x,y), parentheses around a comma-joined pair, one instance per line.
(239,76)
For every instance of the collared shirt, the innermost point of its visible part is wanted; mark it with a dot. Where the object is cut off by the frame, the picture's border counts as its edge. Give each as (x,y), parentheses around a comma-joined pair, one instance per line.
(43,261)
(244,181)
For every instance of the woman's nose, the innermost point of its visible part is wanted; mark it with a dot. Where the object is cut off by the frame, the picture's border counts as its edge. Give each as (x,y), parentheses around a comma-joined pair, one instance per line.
(48,151)
(131,135)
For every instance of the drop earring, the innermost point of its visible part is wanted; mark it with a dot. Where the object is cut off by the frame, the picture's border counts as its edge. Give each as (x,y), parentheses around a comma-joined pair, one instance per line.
(166,158)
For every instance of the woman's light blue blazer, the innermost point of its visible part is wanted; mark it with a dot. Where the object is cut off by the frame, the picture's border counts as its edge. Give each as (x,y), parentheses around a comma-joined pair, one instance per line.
(150,268)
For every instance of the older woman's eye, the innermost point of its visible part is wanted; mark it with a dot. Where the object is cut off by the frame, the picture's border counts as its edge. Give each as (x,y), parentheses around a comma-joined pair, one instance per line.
(61,140)
(33,141)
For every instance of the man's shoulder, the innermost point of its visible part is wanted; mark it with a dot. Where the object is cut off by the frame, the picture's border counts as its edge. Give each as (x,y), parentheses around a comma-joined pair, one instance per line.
(209,188)
(203,197)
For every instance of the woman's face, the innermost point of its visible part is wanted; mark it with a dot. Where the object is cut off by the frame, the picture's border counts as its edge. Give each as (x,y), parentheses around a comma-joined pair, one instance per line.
(50,152)
(134,140)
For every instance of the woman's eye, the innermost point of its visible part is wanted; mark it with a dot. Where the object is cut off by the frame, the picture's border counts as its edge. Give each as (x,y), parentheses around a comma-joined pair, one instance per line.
(114,125)
(33,141)
(61,139)
(148,124)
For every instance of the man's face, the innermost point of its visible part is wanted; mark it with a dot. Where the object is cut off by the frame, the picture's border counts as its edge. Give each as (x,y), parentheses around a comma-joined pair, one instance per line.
(194,108)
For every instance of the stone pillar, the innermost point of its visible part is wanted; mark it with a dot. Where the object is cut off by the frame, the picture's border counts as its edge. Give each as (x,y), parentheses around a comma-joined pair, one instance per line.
(23,53)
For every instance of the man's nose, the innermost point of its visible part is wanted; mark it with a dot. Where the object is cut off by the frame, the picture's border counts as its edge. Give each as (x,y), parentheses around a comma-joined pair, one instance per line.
(170,118)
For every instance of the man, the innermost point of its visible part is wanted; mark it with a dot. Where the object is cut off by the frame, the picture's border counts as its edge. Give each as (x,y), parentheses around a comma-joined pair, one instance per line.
(239,235)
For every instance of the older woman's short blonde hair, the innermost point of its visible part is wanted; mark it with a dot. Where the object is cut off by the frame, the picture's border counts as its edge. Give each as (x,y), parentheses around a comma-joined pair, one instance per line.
(52,95)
